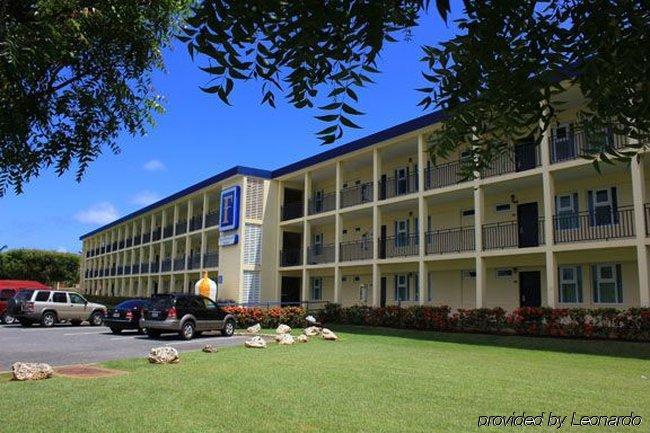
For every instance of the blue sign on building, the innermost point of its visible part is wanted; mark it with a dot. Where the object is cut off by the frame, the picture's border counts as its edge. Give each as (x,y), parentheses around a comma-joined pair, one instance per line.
(229,214)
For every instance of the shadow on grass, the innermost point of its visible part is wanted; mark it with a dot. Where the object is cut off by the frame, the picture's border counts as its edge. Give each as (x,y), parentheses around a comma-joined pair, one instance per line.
(618,349)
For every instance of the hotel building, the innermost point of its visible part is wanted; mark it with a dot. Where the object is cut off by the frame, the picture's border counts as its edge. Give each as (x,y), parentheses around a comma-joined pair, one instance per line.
(376,222)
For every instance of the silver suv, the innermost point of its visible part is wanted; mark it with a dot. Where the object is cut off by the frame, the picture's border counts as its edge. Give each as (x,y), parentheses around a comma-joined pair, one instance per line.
(48,307)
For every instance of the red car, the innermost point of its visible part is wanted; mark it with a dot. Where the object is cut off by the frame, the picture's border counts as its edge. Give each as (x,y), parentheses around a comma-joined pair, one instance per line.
(8,288)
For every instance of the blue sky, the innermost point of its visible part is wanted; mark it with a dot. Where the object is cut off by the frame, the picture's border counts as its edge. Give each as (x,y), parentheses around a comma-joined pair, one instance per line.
(198,137)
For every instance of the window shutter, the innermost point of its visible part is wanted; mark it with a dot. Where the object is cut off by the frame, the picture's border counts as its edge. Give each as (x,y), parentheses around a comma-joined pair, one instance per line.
(576,204)
(396,297)
(579,277)
(619,283)
(251,287)
(252,244)
(590,202)
(594,282)
(254,199)
(614,205)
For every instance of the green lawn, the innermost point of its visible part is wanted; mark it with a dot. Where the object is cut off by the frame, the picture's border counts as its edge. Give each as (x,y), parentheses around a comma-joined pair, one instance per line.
(372,380)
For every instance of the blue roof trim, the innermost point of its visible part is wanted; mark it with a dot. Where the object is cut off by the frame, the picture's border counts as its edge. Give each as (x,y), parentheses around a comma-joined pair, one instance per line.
(234,171)
(386,134)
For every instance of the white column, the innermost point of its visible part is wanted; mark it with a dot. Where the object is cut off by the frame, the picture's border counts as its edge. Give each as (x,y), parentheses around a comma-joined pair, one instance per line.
(337,284)
(548,185)
(423,277)
(376,283)
(305,286)
(422,216)
(481,281)
(638,197)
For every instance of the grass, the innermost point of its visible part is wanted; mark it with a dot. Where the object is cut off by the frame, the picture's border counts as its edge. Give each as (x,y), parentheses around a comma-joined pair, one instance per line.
(372,380)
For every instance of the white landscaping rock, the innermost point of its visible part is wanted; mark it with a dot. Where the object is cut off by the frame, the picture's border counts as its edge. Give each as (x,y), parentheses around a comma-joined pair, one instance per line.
(329,335)
(286,340)
(256,342)
(163,355)
(312,331)
(283,329)
(255,329)
(31,371)
(302,338)
(311,319)
(208,348)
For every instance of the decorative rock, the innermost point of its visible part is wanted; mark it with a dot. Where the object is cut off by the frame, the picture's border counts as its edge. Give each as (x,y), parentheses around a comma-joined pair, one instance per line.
(31,371)
(208,348)
(312,331)
(283,329)
(256,342)
(311,319)
(286,340)
(302,338)
(329,335)
(163,355)
(278,337)
(255,329)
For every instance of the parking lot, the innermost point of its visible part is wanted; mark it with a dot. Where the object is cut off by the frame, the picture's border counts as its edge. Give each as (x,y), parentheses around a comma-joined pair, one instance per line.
(65,344)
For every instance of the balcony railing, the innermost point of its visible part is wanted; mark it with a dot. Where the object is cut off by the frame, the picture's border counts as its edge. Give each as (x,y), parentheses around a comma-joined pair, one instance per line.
(212,219)
(601,224)
(292,210)
(398,246)
(146,237)
(323,203)
(120,270)
(211,259)
(154,267)
(453,240)
(121,244)
(647,219)
(179,263)
(509,234)
(523,157)
(156,234)
(396,186)
(319,254)
(292,257)
(168,231)
(135,269)
(166,265)
(356,250)
(114,246)
(181,227)
(357,194)
(579,143)
(129,242)
(144,268)
(127,270)
(196,223)
(443,175)
(137,240)
(194,261)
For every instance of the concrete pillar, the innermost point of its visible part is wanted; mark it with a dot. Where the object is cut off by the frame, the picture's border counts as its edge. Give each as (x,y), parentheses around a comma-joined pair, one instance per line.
(481,281)
(278,284)
(423,281)
(638,197)
(337,284)
(548,185)
(376,283)
(305,286)
(551,279)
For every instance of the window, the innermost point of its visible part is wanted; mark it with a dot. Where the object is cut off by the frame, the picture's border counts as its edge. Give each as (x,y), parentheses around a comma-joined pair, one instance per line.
(401,233)
(401,287)
(363,293)
(366,192)
(607,284)
(317,288)
(503,207)
(468,274)
(76,299)
(563,147)
(401,181)
(60,297)
(504,273)
(468,212)
(209,304)
(570,284)
(602,206)
(567,211)
(318,244)
(6,294)
(25,295)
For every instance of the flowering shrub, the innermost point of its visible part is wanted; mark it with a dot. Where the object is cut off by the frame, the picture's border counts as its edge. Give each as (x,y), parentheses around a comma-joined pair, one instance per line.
(268,318)
(605,323)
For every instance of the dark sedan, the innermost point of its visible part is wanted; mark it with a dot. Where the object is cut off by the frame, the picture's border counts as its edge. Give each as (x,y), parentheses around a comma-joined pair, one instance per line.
(125,315)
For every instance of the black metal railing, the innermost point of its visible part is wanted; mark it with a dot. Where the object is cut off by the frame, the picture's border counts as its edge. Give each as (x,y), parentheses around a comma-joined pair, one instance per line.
(292,257)
(453,240)
(146,237)
(129,242)
(292,210)
(114,247)
(135,269)
(181,227)
(357,194)
(318,254)
(137,240)
(120,270)
(121,244)
(211,259)
(154,267)
(399,246)
(323,203)
(522,157)
(156,234)
(179,263)
(579,143)
(443,175)
(396,186)
(144,268)
(127,269)
(355,250)
(601,224)
(507,234)
(212,219)
(647,218)
(196,223)
(166,265)
(168,231)
(194,261)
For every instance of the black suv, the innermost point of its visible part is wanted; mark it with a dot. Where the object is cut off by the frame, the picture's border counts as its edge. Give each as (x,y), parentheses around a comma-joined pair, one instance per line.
(185,314)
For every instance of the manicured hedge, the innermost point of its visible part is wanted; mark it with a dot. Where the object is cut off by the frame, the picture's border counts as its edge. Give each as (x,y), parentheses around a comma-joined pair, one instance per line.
(632,324)
(268,318)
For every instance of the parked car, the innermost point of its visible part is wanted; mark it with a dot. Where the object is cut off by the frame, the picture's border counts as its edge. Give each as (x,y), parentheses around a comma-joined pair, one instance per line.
(186,314)
(49,307)
(126,315)
(8,288)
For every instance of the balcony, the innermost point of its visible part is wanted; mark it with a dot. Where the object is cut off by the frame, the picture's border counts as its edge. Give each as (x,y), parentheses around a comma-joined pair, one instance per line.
(600,224)
(399,246)
(396,186)
(357,194)
(144,268)
(319,254)
(127,270)
(121,244)
(196,223)
(322,203)
(154,267)
(108,249)
(291,257)
(146,237)
(179,263)
(523,157)
(129,242)
(573,145)
(454,240)
(511,234)
(181,227)
(137,240)
(355,250)
(135,269)
(443,175)
(166,265)
(168,231)
(194,262)
(211,259)
(156,235)
(212,219)
(120,270)
(292,210)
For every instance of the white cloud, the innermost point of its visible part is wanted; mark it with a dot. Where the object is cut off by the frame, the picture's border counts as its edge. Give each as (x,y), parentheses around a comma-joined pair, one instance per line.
(100,213)
(154,165)
(62,250)
(145,198)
